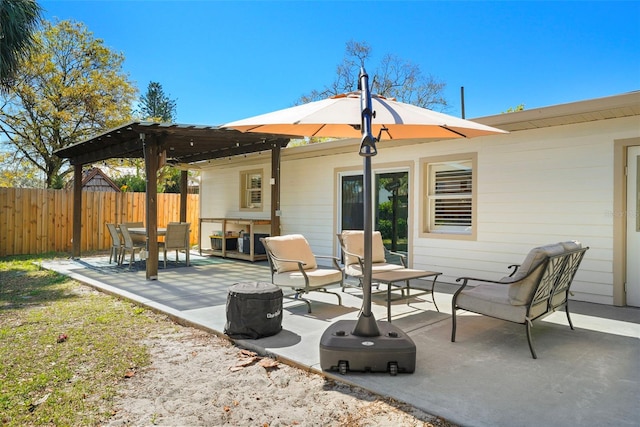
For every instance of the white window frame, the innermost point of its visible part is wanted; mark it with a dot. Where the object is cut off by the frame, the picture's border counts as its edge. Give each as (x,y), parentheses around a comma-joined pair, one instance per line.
(431,223)
(248,191)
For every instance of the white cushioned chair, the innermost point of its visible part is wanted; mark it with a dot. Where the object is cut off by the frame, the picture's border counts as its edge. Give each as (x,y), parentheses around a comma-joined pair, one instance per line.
(536,288)
(352,244)
(293,265)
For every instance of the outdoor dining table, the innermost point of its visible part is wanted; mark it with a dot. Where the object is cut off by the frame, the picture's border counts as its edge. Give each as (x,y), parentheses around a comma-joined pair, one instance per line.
(142,231)
(391,277)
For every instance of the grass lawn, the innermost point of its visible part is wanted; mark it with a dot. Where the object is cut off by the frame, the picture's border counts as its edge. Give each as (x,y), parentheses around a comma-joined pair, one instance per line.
(65,347)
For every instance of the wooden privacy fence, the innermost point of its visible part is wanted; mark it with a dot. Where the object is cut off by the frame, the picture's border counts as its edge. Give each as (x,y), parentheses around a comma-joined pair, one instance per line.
(35,221)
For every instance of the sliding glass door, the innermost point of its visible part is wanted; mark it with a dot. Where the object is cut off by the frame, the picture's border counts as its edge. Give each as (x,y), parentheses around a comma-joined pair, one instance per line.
(390,208)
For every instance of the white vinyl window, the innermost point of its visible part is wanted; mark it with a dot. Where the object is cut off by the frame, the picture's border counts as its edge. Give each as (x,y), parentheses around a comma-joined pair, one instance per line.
(251,189)
(450,197)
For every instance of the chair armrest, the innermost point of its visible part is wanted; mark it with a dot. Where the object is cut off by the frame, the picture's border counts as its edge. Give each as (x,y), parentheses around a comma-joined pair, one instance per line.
(336,260)
(475,279)
(300,262)
(346,252)
(515,269)
(466,280)
(403,257)
(327,257)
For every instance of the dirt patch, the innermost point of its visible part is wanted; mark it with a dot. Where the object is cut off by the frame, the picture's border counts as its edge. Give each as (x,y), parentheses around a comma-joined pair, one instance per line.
(198,379)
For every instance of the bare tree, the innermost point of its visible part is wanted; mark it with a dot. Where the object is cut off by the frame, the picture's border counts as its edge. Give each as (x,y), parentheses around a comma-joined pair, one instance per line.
(393,78)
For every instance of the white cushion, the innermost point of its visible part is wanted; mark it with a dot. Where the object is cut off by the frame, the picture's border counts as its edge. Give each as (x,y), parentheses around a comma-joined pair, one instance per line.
(292,247)
(353,241)
(521,292)
(318,278)
(355,270)
(491,299)
(571,245)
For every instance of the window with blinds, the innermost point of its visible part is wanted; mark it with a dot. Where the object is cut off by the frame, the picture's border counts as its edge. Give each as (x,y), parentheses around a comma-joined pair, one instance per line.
(450,197)
(251,188)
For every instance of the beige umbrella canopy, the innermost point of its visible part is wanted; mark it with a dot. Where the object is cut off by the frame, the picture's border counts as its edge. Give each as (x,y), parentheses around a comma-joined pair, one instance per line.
(340,117)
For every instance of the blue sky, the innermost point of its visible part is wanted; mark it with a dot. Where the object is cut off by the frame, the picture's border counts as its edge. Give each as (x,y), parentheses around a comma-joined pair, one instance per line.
(227,60)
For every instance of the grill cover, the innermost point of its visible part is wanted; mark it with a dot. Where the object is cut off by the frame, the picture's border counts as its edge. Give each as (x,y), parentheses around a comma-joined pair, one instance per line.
(254,310)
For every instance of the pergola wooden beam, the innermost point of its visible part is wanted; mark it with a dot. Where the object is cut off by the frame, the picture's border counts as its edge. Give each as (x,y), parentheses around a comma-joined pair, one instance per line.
(182,144)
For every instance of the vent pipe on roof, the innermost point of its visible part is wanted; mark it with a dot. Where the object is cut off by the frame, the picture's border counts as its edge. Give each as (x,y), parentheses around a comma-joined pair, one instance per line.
(462,100)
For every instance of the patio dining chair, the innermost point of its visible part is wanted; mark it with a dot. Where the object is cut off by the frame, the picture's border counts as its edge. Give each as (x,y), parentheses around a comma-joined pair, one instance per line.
(176,238)
(137,238)
(293,265)
(129,245)
(116,243)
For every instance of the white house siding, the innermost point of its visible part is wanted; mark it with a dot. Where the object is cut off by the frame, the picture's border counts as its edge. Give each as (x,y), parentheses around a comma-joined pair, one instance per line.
(534,187)
(537,187)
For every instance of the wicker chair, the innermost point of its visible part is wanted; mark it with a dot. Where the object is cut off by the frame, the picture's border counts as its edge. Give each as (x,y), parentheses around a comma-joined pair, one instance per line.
(176,239)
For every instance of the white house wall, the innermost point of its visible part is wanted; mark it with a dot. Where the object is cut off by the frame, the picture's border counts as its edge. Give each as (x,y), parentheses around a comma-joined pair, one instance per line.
(537,187)
(534,187)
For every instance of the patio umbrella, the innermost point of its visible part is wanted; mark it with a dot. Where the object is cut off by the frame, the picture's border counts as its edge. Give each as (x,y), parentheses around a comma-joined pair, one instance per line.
(361,114)
(340,117)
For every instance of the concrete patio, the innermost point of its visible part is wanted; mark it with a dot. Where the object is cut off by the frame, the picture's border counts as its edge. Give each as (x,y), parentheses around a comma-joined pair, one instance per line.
(589,376)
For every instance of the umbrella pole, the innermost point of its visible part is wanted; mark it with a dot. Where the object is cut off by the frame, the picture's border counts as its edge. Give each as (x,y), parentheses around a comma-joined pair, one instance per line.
(371,347)
(366,326)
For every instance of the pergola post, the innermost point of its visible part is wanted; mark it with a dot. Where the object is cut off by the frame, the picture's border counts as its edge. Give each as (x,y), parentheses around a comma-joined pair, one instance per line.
(151,161)
(77,211)
(184,185)
(275,189)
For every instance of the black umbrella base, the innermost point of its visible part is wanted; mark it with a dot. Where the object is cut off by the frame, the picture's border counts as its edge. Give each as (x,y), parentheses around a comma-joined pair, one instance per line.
(391,351)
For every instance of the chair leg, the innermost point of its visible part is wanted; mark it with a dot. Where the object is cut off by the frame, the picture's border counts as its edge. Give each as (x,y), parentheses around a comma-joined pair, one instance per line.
(566,309)
(533,352)
(453,323)
(298,297)
(328,292)
(131,260)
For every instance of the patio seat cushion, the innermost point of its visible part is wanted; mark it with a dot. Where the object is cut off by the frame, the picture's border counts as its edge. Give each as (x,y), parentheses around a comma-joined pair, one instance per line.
(355,270)
(318,278)
(521,287)
(491,299)
(571,245)
(354,243)
(292,247)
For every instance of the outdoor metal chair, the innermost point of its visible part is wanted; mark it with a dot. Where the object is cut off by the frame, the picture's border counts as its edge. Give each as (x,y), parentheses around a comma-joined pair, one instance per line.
(176,238)
(293,265)
(533,290)
(116,243)
(352,245)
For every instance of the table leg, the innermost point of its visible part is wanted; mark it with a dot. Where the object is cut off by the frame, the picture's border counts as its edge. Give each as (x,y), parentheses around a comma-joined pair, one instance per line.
(433,298)
(389,302)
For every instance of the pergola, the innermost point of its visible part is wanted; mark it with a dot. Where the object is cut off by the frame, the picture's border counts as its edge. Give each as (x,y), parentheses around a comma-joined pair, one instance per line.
(168,143)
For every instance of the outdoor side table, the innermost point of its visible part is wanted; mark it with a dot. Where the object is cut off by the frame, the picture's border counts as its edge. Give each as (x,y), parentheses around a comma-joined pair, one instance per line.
(391,277)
